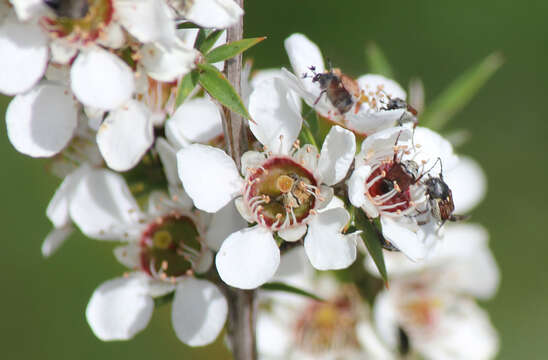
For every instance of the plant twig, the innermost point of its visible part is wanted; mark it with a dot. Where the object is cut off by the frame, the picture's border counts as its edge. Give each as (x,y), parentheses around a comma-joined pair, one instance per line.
(241,303)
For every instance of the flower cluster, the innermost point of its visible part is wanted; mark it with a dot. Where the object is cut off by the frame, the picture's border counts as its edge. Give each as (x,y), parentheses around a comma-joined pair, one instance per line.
(128,100)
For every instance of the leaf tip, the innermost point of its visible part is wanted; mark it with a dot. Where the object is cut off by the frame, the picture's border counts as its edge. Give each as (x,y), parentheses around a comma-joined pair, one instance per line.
(495,60)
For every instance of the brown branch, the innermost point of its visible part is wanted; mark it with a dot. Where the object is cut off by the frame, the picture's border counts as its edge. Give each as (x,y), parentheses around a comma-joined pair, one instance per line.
(241,303)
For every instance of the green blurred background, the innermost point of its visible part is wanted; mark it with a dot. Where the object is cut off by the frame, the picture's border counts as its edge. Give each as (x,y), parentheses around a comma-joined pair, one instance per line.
(43,301)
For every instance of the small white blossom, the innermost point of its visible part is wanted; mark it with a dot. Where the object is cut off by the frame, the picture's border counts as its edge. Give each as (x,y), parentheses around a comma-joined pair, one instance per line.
(370,94)
(430,301)
(282,191)
(295,327)
(164,247)
(403,208)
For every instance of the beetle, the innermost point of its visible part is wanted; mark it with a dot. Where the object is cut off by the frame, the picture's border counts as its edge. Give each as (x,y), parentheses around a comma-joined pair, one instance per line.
(440,199)
(410,113)
(340,89)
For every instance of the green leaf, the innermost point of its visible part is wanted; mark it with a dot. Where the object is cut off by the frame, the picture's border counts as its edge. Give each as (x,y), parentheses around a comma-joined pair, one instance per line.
(370,236)
(460,92)
(279,286)
(188,83)
(188,25)
(378,64)
(200,38)
(208,43)
(216,84)
(228,51)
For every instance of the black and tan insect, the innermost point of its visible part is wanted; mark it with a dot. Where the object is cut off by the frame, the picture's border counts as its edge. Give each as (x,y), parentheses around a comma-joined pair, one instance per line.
(341,90)
(440,198)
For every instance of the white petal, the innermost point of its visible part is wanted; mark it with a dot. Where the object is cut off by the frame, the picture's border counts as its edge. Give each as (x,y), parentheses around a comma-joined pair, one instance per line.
(58,207)
(464,333)
(129,255)
(356,187)
(168,157)
(380,145)
(209,176)
(115,36)
(199,312)
(430,147)
(102,206)
(119,309)
(337,154)
(293,233)
(326,195)
(470,266)
(370,342)
(244,210)
(273,339)
(277,118)
(223,223)
(307,156)
(147,20)
(302,54)
(196,120)
(326,247)
(55,239)
(368,122)
(333,203)
(386,319)
(295,268)
(28,9)
(204,262)
(248,258)
(62,53)
(406,236)
(251,160)
(468,184)
(125,136)
(168,64)
(263,75)
(101,79)
(218,14)
(41,122)
(24,56)
(371,82)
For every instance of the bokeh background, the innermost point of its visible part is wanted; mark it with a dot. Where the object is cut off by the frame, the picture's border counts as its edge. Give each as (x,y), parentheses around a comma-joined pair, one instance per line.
(42,301)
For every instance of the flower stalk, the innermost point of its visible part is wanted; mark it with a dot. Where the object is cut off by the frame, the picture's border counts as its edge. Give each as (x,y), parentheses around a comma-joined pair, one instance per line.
(241,303)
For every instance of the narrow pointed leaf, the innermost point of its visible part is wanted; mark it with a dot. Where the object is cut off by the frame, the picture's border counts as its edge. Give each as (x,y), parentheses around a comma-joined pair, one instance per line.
(216,84)
(228,51)
(378,64)
(188,83)
(279,286)
(208,43)
(181,24)
(370,236)
(200,38)
(460,92)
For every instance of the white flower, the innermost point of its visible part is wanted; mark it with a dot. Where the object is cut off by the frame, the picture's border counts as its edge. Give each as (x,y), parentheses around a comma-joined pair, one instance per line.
(219,14)
(98,78)
(403,207)
(295,327)
(370,94)
(281,191)
(429,302)
(165,246)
